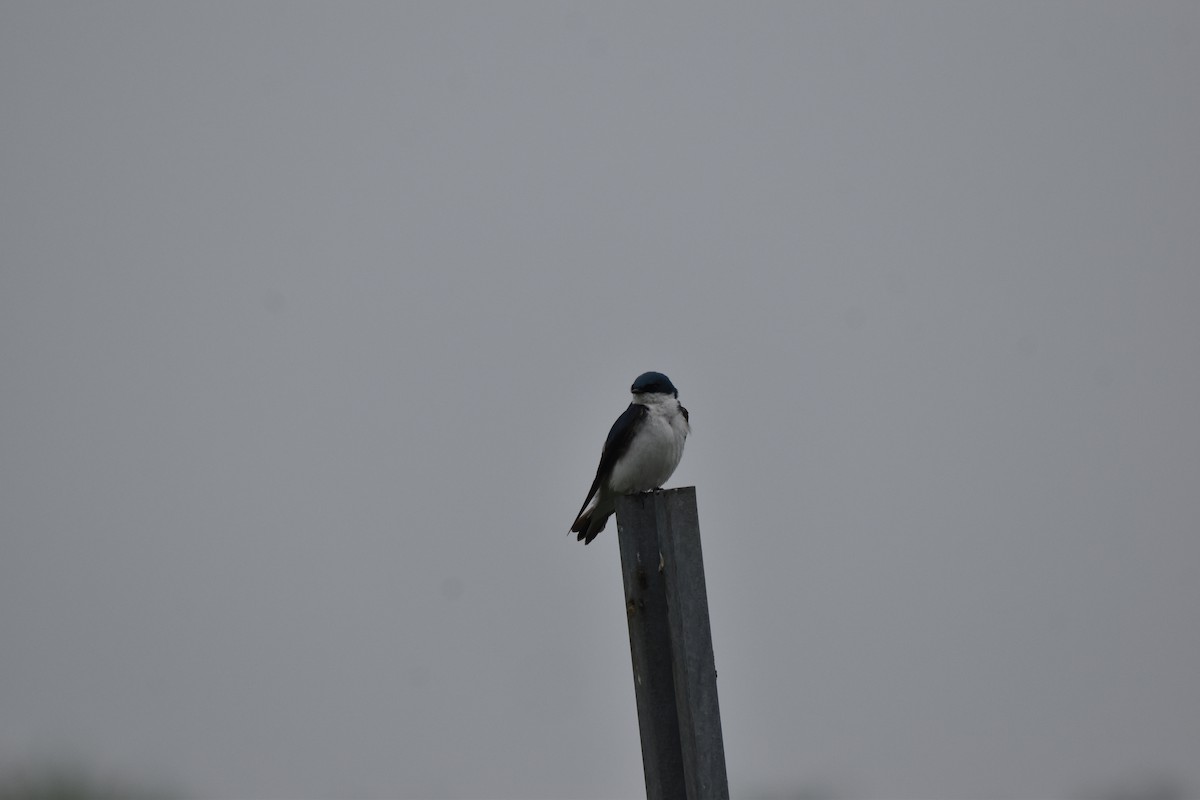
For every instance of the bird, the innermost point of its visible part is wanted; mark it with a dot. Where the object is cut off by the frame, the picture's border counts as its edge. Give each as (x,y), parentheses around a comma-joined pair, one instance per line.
(642,450)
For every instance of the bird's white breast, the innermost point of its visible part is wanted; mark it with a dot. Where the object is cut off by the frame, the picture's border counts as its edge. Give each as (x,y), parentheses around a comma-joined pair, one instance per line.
(655,450)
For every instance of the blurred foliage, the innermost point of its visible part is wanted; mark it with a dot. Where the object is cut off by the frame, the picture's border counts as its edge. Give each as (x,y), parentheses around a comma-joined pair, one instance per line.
(1145,787)
(70,782)
(815,791)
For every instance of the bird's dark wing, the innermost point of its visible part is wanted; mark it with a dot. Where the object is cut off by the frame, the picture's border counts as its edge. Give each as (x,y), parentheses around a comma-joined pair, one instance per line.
(683,411)
(616,445)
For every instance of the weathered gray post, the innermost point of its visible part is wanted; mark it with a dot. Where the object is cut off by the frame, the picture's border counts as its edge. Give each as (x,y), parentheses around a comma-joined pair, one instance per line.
(650,647)
(670,641)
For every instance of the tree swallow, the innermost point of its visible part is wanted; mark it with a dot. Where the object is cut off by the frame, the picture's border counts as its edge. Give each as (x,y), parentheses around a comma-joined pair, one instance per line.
(641,451)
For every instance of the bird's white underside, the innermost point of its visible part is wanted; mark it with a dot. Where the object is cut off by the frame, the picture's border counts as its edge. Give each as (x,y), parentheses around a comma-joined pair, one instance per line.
(653,454)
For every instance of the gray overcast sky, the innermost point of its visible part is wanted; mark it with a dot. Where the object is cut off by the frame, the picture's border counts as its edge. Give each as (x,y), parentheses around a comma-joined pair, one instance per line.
(313,318)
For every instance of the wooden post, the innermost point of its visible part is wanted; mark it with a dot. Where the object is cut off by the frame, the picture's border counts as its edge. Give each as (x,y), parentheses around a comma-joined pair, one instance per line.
(670,641)
(650,647)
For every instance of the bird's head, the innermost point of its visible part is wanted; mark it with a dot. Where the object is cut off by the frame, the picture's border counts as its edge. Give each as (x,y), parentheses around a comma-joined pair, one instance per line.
(653,383)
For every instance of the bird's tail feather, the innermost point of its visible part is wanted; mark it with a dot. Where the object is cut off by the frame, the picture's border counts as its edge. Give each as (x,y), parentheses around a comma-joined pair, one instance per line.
(588,525)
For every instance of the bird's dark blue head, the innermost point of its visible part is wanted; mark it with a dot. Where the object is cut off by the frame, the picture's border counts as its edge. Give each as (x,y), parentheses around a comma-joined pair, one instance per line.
(654,383)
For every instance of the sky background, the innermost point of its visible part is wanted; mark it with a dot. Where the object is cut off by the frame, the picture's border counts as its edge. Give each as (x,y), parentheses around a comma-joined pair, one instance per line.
(313,319)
